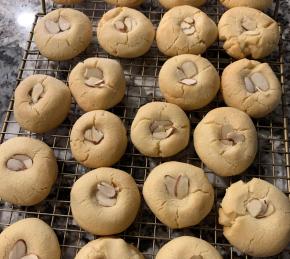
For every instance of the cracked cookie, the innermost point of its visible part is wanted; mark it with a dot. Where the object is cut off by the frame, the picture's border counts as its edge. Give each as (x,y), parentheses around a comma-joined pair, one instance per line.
(28,170)
(98,138)
(261,4)
(160,129)
(189,81)
(125,32)
(188,247)
(178,194)
(29,238)
(128,3)
(109,248)
(41,103)
(105,201)
(252,87)
(185,30)
(97,83)
(256,218)
(248,32)
(172,3)
(63,34)
(226,141)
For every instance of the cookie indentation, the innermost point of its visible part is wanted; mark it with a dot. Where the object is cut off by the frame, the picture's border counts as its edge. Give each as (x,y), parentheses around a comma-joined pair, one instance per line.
(19,163)
(106,194)
(126,25)
(19,251)
(94,135)
(161,129)
(230,137)
(55,27)
(256,82)
(187,26)
(186,72)
(248,24)
(37,92)
(177,187)
(259,208)
(94,77)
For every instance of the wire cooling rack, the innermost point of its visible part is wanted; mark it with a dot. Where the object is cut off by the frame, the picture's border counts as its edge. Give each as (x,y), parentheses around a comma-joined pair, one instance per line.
(147,233)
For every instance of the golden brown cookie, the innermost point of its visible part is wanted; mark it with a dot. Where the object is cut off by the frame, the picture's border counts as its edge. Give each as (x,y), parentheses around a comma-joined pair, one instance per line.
(257,4)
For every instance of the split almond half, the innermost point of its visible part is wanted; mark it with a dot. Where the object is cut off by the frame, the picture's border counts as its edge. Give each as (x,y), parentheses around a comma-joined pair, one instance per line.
(106,194)
(19,163)
(37,92)
(177,187)
(161,129)
(93,135)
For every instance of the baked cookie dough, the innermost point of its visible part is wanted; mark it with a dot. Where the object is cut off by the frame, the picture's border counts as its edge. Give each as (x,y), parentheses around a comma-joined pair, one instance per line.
(67,2)
(28,170)
(260,4)
(256,218)
(109,248)
(226,141)
(160,129)
(97,83)
(128,3)
(41,103)
(188,247)
(189,81)
(178,194)
(172,3)
(98,138)
(29,238)
(252,87)
(105,201)
(125,32)
(185,30)
(248,32)
(63,34)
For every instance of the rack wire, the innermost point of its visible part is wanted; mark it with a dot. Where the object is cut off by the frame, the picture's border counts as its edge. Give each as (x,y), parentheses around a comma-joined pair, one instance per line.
(147,233)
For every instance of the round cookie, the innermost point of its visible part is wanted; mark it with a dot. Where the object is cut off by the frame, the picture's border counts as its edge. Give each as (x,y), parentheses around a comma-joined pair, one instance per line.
(97,83)
(256,218)
(29,238)
(128,3)
(185,30)
(172,3)
(63,34)
(189,81)
(178,194)
(261,4)
(125,32)
(248,32)
(109,248)
(252,87)
(188,247)
(226,141)
(28,170)
(160,129)
(41,103)
(98,138)
(105,201)
(67,2)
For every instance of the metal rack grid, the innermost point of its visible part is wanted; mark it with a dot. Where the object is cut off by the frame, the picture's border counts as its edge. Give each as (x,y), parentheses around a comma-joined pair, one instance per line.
(147,233)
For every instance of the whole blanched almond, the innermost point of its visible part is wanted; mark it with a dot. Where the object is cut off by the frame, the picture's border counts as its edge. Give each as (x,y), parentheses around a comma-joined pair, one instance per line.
(18,251)
(260,81)
(52,27)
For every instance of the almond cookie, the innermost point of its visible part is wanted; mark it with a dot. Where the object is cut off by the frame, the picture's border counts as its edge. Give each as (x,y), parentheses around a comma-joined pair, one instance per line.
(125,32)
(109,248)
(178,194)
(28,170)
(189,81)
(98,138)
(29,238)
(128,3)
(63,34)
(172,3)
(41,103)
(185,30)
(97,83)
(256,218)
(226,141)
(248,32)
(188,247)
(105,201)
(160,129)
(252,87)
(260,4)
